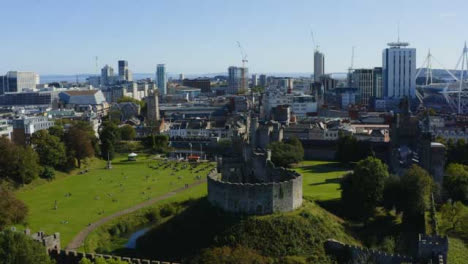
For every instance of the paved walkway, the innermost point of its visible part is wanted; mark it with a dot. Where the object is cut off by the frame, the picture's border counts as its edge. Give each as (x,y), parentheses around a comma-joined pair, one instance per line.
(78,240)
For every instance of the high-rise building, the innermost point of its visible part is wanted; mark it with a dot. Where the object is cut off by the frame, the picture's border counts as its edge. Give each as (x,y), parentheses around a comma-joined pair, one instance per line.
(107,75)
(15,81)
(263,80)
(319,65)
(362,80)
(368,83)
(377,82)
(161,78)
(237,80)
(124,73)
(181,77)
(123,70)
(399,71)
(254,80)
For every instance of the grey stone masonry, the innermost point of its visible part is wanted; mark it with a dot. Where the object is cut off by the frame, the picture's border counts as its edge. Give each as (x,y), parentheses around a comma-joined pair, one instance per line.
(73,257)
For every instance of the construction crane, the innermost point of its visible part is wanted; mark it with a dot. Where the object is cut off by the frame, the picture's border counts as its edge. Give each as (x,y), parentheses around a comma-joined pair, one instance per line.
(244,61)
(316,46)
(351,66)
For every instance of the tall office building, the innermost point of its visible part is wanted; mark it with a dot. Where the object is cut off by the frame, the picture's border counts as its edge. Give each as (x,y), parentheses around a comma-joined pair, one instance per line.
(263,80)
(399,71)
(362,80)
(319,65)
(181,77)
(161,78)
(377,82)
(368,83)
(107,75)
(254,80)
(124,72)
(15,81)
(237,79)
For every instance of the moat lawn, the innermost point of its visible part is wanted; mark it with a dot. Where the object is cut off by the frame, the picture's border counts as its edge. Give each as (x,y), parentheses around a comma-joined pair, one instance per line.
(71,202)
(321,179)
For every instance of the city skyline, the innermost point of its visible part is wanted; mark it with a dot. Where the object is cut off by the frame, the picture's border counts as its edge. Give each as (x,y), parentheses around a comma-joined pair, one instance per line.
(275,35)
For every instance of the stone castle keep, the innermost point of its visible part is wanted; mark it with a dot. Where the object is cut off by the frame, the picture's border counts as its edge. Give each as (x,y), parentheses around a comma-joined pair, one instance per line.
(246,181)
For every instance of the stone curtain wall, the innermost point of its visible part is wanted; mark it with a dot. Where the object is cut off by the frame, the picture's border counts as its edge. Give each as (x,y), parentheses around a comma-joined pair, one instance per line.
(354,254)
(255,198)
(73,257)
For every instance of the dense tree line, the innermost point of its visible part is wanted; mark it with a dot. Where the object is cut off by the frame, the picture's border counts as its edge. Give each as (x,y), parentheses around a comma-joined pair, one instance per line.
(12,210)
(456,182)
(349,149)
(157,143)
(18,164)
(284,154)
(457,150)
(370,186)
(54,149)
(362,190)
(16,248)
(110,134)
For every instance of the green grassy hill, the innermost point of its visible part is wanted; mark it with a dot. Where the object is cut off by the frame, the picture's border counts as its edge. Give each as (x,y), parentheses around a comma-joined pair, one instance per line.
(84,198)
(300,233)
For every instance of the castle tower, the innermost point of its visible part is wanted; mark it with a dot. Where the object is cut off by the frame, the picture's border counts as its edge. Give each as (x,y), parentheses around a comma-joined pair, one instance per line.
(152,115)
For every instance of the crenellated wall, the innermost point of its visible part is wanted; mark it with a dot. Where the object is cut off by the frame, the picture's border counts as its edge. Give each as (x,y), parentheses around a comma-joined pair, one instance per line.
(353,254)
(73,257)
(256,198)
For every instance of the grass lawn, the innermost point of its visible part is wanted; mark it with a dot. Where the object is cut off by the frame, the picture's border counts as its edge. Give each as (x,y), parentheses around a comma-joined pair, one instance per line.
(85,198)
(321,179)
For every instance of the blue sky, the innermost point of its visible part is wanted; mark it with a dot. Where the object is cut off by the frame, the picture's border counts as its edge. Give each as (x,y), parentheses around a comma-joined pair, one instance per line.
(198,36)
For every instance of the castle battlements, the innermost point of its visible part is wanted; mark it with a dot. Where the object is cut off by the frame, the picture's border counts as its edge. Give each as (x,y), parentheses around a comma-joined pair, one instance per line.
(248,182)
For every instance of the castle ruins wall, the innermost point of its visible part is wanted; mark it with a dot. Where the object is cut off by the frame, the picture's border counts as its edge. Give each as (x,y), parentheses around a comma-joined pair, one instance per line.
(255,198)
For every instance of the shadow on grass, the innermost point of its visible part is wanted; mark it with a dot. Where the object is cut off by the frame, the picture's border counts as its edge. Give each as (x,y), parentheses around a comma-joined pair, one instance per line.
(333,206)
(184,235)
(326,168)
(327,181)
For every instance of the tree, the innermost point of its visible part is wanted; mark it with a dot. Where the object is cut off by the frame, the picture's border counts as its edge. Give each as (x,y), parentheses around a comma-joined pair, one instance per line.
(28,166)
(127,132)
(18,164)
(392,194)
(16,247)
(362,190)
(109,134)
(349,149)
(228,255)
(417,186)
(453,215)
(157,143)
(131,100)
(12,210)
(284,154)
(48,173)
(57,130)
(79,142)
(101,261)
(456,182)
(457,152)
(50,149)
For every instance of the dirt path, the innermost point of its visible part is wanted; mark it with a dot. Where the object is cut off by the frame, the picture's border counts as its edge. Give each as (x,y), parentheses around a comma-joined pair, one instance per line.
(79,239)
